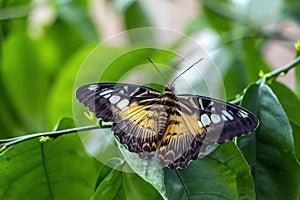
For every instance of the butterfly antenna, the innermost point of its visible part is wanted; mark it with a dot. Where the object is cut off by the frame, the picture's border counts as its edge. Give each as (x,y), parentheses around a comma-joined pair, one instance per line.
(158,71)
(185,71)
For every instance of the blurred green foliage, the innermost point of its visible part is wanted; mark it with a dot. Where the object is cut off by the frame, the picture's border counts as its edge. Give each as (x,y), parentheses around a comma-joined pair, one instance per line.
(37,77)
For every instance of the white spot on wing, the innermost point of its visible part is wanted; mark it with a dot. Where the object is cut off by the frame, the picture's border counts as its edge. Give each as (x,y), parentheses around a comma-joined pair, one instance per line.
(93,87)
(114,99)
(123,103)
(107,96)
(205,120)
(211,103)
(132,93)
(224,118)
(105,92)
(243,114)
(215,118)
(227,115)
(121,92)
(201,103)
(126,87)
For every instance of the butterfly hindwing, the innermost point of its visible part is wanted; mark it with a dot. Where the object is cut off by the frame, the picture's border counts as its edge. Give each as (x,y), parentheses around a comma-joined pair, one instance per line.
(182,140)
(132,109)
(201,121)
(223,121)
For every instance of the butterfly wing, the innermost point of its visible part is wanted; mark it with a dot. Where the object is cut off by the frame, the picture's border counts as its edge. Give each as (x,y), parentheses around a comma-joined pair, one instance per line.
(201,121)
(134,111)
(182,140)
(222,121)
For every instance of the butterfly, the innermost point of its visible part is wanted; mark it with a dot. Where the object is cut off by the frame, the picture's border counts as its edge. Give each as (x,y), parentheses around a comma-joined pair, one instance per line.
(175,128)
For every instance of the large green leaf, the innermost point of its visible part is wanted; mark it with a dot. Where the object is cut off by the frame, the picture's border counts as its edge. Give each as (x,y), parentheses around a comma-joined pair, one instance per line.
(25,79)
(223,174)
(217,13)
(60,94)
(135,17)
(252,48)
(290,10)
(54,169)
(270,150)
(114,184)
(136,58)
(235,79)
(291,105)
(297,76)
(244,68)
(75,15)
(30,64)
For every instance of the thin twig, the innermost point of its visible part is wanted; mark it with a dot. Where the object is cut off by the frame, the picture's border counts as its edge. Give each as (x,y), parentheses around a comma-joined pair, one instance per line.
(284,70)
(5,143)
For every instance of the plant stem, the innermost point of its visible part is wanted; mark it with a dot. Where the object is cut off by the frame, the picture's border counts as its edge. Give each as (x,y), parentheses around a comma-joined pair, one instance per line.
(5,143)
(284,69)
(272,75)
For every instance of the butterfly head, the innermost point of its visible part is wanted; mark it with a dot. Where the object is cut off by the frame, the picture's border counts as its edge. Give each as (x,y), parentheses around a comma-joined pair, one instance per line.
(169,88)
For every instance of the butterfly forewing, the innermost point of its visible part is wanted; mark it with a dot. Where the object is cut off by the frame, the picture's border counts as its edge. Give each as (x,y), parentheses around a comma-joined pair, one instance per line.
(178,128)
(134,111)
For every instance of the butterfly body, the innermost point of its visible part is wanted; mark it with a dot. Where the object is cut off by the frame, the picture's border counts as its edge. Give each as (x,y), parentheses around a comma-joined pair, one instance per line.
(175,127)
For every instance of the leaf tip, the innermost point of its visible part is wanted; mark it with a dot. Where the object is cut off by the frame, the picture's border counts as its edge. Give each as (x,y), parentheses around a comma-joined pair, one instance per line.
(297,46)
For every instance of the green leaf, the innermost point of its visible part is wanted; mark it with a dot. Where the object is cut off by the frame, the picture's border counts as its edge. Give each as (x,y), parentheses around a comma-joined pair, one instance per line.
(297,81)
(218,15)
(291,105)
(270,150)
(64,123)
(121,64)
(290,10)
(61,92)
(149,170)
(55,169)
(235,79)
(28,67)
(244,68)
(135,17)
(24,79)
(223,174)
(252,57)
(136,58)
(75,16)
(121,185)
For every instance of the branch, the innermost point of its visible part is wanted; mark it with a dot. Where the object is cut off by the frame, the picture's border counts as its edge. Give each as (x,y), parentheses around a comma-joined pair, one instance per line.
(282,71)
(5,143)
(271,76)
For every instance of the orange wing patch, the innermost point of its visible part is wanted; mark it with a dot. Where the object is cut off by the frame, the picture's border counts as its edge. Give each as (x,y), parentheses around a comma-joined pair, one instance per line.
(182,140)
(137,127)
